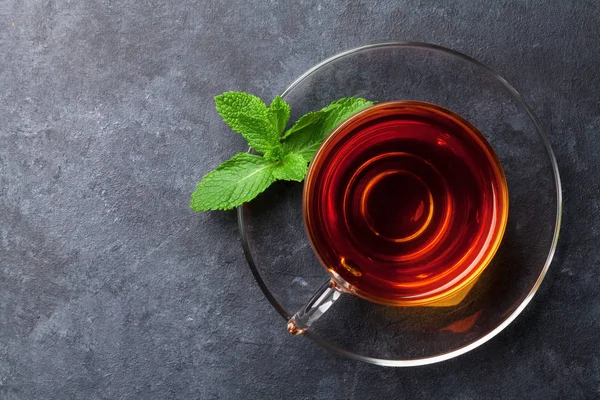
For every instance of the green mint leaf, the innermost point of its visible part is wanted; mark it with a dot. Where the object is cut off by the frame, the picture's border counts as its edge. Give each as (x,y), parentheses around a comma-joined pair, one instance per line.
(305,137)
(248,115)
(235,181)
(339,111)
(279,114)
(304,121)
(292,167)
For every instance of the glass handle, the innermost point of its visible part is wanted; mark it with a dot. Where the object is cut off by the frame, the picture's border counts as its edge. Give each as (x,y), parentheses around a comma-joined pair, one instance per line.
(317,306)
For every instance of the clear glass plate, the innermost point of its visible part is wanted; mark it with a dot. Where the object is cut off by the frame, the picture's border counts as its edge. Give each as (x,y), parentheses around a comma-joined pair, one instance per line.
(288,272)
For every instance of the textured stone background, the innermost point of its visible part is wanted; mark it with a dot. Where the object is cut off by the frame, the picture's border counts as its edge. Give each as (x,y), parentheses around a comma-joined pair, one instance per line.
(110,287)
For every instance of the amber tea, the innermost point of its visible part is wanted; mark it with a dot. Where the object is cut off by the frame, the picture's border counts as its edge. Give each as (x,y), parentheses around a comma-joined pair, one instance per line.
(405,203)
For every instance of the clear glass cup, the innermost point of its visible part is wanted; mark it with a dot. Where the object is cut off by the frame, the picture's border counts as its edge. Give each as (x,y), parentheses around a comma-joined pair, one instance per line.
(436,259)
(289,273)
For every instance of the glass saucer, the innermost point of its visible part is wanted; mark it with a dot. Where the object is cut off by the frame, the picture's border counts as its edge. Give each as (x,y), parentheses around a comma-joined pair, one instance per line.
(288,272)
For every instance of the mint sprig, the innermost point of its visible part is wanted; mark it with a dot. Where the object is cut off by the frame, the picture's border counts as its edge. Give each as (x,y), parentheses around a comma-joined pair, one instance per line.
(285,154)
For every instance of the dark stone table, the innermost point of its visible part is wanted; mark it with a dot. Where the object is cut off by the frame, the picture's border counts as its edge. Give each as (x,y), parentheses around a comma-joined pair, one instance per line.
(111,287)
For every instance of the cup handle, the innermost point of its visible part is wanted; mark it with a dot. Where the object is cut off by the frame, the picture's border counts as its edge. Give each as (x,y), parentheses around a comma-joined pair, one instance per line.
(317,306)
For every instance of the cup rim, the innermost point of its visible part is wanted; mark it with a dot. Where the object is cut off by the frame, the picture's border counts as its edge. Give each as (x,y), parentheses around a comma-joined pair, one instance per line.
(467,278)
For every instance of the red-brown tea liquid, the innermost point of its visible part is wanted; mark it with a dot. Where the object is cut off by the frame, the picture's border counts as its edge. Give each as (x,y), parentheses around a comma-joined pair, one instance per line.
(405,203)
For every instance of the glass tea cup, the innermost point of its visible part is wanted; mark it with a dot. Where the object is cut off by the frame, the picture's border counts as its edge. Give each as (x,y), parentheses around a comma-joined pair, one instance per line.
(404,204)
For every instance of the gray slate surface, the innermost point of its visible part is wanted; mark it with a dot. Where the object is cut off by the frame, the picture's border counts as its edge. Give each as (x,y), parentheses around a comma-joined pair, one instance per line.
(110,287)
